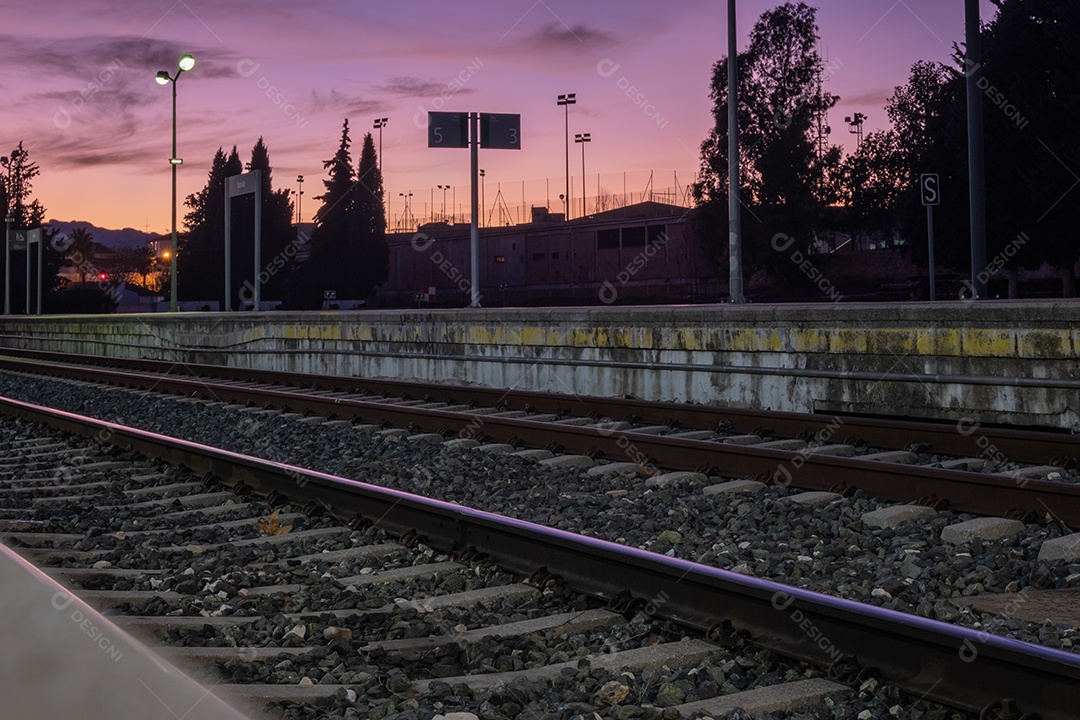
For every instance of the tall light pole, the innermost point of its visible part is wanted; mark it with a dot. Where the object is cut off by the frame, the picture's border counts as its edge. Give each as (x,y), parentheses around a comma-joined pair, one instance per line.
(379,124)
(583,138)
(735,269)
(406,213)
(855,123)
(300,200)
(483,202)
(444,188)
(186,63)
(976,159)
(566,101)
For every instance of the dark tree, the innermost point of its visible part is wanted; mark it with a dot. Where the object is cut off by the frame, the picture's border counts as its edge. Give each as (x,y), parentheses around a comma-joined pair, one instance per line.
(202,250)
(134,264)
(27,213)
(326,267)
(370,257)
(278,249)
(928,117)
(1031,50)
(785,180)
(874,180)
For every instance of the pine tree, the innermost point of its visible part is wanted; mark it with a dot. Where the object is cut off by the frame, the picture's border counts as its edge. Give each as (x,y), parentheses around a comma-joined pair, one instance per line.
(327,264)
(202,251)
(278,233)
(370,259)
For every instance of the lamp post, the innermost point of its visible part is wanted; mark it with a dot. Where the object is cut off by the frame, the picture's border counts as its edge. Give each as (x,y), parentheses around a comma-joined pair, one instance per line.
(186,63)
(566,101)
(405,214)
(380,123)
(483,203)
(300,200)
(583,138)
(444,188)
(855,123)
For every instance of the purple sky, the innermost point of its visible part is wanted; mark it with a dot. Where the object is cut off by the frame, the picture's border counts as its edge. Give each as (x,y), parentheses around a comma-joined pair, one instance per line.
(79,89)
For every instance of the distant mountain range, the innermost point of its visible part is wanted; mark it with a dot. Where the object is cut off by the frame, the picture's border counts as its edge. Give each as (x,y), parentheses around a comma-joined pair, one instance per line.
(114,239)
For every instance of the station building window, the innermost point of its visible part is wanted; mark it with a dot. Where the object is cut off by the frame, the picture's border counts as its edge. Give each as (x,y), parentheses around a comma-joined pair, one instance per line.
(658,235)
(538,256)
(500,258)
(633,237)
(607,239)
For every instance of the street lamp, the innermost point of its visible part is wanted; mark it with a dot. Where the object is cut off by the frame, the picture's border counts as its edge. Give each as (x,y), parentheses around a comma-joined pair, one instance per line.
(566,101)
(483,203)
(855,122)
(300,200)
(444,188)
(186,63)
(380,123)
(405,214)
(582,138)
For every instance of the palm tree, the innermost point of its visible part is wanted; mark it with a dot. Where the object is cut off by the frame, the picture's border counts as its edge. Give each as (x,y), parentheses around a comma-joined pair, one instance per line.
(81,251)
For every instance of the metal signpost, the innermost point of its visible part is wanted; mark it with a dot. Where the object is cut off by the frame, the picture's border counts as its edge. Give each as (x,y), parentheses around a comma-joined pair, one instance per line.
(249,182)
(497,131)
(24,240)
(928,188)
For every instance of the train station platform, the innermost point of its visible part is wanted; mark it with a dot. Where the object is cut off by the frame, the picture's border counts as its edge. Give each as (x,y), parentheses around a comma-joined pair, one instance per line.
(63,659)
(972,362)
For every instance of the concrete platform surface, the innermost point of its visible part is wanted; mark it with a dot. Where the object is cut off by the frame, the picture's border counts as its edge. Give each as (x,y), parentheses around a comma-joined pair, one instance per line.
(991,361)
(62,659)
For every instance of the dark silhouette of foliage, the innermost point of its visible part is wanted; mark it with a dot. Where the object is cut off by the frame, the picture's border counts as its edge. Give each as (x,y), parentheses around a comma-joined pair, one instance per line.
(785,182)
(348,254)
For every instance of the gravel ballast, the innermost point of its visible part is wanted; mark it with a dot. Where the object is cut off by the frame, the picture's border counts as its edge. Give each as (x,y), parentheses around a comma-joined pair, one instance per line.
(824,547)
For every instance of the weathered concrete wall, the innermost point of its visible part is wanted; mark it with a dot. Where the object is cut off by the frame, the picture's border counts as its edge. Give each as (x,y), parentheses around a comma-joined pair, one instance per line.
(989,361)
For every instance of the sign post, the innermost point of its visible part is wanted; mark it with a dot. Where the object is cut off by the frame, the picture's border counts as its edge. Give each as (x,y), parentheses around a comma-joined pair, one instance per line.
(498,131)
(249,182)
(24,240)
(928,187)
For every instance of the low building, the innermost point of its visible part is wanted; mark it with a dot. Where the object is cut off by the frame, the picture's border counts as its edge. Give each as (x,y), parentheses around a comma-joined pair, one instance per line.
(638,253)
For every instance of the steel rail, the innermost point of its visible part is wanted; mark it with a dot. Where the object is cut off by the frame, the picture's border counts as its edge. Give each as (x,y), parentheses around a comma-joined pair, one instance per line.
(962,438)
(956,666)
(962,491)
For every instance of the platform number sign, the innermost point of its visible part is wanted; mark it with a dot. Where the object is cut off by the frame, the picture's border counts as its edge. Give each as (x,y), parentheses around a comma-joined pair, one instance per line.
(500,131)
(448,130)
(928,186)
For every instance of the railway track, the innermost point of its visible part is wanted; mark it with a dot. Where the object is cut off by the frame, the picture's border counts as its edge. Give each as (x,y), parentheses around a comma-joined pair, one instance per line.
(211,562)
(907,461)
